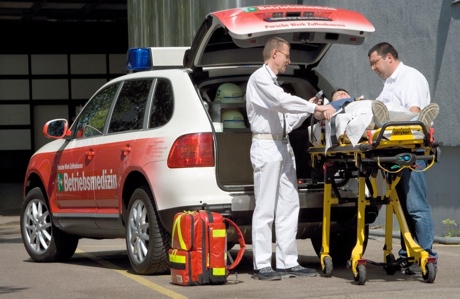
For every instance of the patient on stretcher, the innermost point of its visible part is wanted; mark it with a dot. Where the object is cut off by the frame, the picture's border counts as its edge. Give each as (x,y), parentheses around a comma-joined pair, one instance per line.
(355,116)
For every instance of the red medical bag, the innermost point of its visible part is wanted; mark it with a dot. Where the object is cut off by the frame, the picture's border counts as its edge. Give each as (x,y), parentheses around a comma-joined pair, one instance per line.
(198,253)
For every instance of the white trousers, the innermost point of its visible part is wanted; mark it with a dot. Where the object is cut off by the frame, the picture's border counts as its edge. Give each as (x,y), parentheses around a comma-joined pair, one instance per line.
(277,202)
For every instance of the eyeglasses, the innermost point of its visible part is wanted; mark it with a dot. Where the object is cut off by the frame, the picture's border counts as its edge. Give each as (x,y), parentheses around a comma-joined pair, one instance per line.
(372,63)
(288,57)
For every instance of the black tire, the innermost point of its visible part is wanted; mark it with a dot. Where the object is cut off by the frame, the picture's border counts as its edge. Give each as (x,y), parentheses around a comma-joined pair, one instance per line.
(146,239)
(361,277)
(430,275)
(341,244)
(389,266)
(43,241)
(328,266)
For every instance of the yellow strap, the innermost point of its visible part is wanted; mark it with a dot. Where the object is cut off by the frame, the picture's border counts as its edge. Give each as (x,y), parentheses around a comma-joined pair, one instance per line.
(179,233)
(173,258)
(407,166)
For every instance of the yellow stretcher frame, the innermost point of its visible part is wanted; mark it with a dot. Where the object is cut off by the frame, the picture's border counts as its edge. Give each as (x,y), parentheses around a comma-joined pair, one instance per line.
(390,149)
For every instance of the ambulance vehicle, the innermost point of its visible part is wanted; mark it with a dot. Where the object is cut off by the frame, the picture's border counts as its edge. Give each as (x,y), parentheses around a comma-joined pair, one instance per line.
(173,134)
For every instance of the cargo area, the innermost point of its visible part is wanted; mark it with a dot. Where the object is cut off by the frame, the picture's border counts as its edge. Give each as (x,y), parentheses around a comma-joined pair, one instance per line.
(233,142)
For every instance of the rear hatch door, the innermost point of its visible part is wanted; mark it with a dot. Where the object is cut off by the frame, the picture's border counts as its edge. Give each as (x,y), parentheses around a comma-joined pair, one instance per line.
(235,37)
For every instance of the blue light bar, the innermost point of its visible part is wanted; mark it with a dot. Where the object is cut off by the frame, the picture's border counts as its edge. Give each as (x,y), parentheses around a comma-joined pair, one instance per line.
(139,59)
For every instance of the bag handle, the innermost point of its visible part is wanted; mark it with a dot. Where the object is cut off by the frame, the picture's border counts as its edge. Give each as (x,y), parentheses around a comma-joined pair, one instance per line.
(239,256)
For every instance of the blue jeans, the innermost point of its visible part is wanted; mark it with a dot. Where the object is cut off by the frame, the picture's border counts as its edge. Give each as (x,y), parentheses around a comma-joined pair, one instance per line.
(412,195)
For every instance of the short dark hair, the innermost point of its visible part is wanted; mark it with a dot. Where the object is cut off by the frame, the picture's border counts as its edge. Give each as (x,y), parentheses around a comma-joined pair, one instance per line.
(337,90)
(271,44)
(383,49)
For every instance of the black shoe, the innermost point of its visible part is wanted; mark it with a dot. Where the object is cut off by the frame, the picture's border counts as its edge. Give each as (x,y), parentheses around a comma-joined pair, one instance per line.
(407,267)
(297,271)
(266,273)
(403,262)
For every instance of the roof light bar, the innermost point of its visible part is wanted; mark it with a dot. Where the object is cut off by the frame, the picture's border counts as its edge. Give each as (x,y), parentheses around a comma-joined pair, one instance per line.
(139,59)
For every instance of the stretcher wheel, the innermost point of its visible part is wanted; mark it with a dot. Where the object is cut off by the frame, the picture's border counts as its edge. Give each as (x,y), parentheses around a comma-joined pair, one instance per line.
(389,266)
(341,244)
(430,275)
(361,277)
(328,267)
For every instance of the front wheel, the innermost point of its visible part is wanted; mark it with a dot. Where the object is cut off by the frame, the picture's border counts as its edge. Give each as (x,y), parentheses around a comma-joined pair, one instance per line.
(430,274)
(43,241)
(146,239)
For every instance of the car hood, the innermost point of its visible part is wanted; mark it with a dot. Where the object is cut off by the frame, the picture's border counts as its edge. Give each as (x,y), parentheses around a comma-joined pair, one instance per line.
(236,37)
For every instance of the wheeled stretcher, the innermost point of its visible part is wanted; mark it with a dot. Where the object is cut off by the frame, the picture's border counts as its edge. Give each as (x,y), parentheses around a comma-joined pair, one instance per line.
(388,150)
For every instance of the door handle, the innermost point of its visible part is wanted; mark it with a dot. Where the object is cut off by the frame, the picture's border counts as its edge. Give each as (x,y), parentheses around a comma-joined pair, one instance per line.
(126,150)
(89,154)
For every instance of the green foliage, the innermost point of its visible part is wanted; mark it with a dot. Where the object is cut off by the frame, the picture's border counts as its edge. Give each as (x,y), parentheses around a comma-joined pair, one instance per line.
(451,228)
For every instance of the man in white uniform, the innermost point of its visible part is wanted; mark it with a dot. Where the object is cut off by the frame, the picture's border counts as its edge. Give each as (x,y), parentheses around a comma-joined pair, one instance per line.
(272,114)
(406,86)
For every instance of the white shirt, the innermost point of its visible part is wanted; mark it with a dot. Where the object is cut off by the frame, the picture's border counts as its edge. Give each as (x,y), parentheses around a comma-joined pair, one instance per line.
(406,87)
(266,102)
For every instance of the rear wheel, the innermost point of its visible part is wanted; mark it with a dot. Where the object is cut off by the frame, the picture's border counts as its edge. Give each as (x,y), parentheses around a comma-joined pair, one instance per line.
(341,244)
(43,241)
(146,239)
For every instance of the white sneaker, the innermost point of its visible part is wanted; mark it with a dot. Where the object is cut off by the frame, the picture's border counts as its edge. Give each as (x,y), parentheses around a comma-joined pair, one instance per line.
(381,114)
(428,114)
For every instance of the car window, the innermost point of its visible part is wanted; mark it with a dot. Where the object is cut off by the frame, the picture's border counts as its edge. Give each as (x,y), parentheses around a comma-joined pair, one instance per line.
(163,104)
(92,119)
(129,110)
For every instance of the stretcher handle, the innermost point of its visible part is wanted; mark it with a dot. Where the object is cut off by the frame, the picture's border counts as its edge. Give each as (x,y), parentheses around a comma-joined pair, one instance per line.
(402,123)
(239,256)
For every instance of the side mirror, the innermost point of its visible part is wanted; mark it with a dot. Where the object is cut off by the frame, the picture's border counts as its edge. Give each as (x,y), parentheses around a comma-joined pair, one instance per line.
(56,129)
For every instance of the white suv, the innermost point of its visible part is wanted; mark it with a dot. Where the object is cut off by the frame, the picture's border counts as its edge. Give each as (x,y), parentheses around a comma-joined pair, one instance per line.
(151,143)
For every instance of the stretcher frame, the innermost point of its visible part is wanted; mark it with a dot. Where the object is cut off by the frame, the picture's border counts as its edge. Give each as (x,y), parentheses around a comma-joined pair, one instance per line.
(389,150)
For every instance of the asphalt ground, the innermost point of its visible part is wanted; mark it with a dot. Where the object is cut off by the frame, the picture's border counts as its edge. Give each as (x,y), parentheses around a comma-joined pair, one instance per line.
(101,269)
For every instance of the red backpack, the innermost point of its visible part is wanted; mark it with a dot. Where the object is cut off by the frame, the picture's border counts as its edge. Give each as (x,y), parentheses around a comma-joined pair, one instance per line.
(198,253)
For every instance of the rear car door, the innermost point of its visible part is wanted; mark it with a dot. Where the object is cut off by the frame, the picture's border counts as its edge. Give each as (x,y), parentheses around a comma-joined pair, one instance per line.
(113,155)
(236,37)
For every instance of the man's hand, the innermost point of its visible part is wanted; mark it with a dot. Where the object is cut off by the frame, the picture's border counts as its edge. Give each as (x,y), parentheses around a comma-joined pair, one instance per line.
(316,100)
(326,110)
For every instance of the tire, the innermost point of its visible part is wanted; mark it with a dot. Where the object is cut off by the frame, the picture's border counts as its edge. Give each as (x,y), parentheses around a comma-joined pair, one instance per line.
(389,267)
(328,266)
(361,278)
(341,244)
(430,275)
(146,239)
(44,242)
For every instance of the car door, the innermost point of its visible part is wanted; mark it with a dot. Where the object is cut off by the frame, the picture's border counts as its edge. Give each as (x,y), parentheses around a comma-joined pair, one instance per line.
(76,180)
(113,153)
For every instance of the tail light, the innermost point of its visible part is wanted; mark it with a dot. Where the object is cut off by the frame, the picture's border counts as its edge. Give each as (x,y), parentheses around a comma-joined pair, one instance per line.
(192,150)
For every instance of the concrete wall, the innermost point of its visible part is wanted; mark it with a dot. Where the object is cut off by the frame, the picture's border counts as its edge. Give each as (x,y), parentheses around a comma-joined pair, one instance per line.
(426,35)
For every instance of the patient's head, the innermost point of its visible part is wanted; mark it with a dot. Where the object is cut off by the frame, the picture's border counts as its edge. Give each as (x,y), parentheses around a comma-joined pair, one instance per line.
(339,93)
